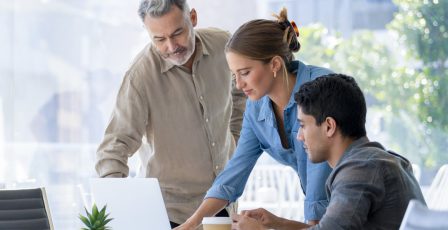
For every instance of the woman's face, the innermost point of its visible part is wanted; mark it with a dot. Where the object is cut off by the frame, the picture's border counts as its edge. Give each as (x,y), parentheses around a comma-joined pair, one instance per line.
(254,77)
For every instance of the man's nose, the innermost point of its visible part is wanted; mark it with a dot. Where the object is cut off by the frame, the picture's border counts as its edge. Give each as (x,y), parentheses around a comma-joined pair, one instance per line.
(171,45)
(300,135)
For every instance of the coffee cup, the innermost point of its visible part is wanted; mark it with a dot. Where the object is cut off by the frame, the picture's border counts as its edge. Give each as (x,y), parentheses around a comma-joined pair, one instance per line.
(217,223)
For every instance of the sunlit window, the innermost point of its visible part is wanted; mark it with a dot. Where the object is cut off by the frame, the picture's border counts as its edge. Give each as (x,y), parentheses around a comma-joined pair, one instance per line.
(62,62)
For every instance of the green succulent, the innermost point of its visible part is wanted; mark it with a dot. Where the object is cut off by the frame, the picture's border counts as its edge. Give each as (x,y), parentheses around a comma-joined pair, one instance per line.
(97,220)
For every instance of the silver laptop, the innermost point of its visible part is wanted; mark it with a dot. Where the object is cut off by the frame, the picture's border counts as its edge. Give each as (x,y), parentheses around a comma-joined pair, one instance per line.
(133,203)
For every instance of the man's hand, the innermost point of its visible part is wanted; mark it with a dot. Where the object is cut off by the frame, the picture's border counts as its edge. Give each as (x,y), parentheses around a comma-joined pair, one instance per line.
(261,219)
(267,219)
(244,222)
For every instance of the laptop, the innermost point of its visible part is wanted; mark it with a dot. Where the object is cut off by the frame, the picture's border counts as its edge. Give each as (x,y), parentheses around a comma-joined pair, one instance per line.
(133,203)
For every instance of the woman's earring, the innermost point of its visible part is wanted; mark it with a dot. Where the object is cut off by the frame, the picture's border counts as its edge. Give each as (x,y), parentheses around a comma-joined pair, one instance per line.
(275,74)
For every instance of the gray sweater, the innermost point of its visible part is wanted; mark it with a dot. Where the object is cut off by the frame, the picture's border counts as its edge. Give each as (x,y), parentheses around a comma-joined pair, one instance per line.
(369,188)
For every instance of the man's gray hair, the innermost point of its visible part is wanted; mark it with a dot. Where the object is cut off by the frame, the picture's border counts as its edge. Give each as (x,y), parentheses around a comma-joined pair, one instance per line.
(158,8)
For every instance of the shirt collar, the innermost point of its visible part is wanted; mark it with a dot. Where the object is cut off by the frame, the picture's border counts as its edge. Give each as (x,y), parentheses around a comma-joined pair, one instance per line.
(266,110)
(355,144)
(201,50)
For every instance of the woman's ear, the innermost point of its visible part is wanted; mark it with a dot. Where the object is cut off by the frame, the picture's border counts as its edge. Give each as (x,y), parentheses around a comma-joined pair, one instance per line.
(276,63)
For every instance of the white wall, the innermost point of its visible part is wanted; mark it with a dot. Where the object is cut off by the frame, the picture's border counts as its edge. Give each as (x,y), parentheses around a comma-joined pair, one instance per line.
(228,14)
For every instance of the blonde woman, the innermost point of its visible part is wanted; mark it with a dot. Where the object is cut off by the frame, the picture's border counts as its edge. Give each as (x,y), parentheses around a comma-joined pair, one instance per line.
(260,57)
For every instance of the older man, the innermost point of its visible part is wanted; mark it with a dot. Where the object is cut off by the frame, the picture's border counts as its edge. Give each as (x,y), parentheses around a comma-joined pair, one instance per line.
(178,94)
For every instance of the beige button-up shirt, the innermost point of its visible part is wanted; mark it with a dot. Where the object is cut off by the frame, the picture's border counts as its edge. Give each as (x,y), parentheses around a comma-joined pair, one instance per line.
(191,121)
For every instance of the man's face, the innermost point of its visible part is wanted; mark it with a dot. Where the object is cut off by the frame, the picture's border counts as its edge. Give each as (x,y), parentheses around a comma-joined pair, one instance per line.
(173,35)
(314,138)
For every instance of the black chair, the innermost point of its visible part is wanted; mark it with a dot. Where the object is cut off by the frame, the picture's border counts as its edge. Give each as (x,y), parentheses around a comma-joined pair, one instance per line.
(24,209)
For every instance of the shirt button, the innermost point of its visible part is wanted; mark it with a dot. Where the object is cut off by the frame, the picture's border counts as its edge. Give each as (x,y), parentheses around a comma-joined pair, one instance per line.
(206,119)
(213,144)
(201,97)
(217,167)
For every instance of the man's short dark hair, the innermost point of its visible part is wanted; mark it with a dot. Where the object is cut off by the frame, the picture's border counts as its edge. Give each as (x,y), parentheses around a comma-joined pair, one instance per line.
(337,96)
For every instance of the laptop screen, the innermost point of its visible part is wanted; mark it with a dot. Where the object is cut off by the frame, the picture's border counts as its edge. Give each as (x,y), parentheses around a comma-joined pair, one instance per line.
(133,203)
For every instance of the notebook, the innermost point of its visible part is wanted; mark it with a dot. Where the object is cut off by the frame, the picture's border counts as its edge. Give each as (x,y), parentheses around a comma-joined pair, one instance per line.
(133,203)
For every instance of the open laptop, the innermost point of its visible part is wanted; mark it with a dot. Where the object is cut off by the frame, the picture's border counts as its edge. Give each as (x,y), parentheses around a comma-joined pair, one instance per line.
(133,203)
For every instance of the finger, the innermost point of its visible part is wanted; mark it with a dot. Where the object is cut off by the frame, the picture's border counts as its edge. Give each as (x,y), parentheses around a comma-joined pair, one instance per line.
(253,213)
(235,217)
(247,213)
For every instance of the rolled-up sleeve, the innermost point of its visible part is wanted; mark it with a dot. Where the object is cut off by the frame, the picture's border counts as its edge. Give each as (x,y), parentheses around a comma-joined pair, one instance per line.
(316,200)
(124,133)
(230,183)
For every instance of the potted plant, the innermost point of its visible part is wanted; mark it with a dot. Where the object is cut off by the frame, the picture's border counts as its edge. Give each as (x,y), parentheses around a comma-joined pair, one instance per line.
(96,220)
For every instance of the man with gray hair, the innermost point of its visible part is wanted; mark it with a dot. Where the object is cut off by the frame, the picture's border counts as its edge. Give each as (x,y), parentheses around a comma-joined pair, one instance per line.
(179,95)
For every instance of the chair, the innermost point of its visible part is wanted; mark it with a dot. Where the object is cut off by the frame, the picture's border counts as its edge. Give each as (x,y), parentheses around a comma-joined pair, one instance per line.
(418,216)
(417,172)
(275,188)
(436,196)
(24,209)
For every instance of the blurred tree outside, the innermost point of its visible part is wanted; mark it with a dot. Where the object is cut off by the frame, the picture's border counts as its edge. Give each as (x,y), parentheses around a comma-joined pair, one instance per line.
(423,27)
(404,75)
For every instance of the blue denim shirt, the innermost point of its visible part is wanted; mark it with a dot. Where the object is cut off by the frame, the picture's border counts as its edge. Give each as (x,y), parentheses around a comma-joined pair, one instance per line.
(260,133)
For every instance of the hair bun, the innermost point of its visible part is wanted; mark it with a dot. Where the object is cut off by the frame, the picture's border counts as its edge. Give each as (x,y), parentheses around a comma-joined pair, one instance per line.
(291,31)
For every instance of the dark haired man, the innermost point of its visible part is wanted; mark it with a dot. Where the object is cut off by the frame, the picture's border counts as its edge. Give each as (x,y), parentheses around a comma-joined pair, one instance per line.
(369,187)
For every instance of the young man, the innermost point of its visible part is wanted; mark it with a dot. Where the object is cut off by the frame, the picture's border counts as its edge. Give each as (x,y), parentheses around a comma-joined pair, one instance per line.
(369,187)
(178,95)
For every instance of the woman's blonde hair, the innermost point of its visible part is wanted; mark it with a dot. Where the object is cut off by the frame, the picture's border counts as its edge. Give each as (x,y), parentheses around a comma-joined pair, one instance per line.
(263,39)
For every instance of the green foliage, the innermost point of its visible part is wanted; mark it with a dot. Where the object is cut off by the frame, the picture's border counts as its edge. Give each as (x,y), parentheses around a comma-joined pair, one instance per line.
(423,27)
(314,49)
(371,63)
(404,75)
(96,220)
